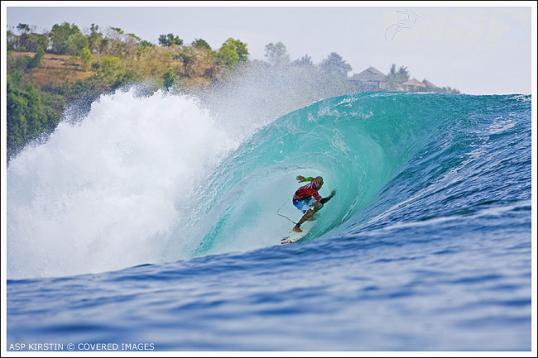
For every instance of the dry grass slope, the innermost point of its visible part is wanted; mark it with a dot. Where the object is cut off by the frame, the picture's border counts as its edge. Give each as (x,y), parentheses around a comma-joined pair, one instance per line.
(56,70)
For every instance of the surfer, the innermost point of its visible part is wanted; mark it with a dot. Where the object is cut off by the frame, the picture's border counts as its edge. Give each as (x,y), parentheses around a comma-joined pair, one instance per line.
(308,200)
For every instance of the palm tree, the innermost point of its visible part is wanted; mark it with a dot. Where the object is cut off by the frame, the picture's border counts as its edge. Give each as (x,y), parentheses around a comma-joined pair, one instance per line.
(395,78)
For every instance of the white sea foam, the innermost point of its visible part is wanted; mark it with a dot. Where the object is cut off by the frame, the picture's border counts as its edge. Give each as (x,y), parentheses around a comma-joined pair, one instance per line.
(106,192)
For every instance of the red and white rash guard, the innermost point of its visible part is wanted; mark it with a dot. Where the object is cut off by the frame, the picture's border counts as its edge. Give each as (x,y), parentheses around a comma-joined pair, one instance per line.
(306,191)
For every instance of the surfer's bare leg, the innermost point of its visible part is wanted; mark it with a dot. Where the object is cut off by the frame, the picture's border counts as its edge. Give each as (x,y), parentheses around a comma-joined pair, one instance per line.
(308,215)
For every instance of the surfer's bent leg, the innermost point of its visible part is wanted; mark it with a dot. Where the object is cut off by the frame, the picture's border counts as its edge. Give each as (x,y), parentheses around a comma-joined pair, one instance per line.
(305,217)
(308,215)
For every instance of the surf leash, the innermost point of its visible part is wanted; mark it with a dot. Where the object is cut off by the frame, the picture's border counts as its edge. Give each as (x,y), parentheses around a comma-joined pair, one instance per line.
(284,216)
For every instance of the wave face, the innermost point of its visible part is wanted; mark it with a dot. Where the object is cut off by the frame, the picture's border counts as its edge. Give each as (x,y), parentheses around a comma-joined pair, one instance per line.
(430,228)
(357,143)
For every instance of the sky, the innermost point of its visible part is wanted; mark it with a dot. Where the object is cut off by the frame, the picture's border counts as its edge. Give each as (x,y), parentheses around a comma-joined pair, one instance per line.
(478,50)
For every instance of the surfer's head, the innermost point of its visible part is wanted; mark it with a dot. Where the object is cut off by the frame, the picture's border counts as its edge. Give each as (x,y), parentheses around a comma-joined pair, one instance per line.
(319,182)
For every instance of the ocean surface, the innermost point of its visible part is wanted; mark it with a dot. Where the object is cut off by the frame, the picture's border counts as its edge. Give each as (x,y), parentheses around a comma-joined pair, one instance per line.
(149,222)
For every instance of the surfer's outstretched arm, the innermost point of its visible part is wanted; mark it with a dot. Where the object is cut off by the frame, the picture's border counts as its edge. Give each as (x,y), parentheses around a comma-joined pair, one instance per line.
(324,200)
(302,179)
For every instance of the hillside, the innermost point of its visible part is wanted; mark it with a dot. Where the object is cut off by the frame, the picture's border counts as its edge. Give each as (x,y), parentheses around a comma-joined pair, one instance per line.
(54,70)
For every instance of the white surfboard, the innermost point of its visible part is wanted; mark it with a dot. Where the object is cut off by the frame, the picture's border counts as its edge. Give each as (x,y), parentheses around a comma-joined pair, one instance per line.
(296,236)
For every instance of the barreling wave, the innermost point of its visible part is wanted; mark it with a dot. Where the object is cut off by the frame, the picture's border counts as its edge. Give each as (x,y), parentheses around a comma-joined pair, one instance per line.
(358,143)
(158,178)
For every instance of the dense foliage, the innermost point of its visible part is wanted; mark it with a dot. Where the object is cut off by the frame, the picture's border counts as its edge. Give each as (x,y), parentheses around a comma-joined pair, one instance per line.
(31,112)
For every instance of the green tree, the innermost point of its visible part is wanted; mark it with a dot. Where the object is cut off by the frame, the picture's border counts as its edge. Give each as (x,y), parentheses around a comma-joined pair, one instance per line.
(67,39)
(115,42)
(95,39)
(112,70)
(227,56)
(232,52)
(28,117)
(27,40)
(187,58)
(397,77)
(36,60)
(76,43)
(23,28)
(392,77)
(200,44)
(37,41)
(131,42)
(86,57)
(169,79)
(277,54)
(170,40)
(334,65)
(117,31)
(306,60)
(19,42)
(403,74)
(144,44)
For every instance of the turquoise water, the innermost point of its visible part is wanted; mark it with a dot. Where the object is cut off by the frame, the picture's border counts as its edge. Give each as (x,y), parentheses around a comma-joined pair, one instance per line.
(426,246)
